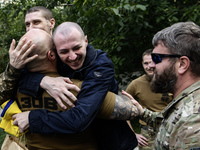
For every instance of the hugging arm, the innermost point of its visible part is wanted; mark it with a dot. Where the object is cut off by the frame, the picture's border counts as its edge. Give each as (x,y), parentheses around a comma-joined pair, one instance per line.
(90,99)
(124,109)
(57,87)
(117,107)
(18,59)
(114,107)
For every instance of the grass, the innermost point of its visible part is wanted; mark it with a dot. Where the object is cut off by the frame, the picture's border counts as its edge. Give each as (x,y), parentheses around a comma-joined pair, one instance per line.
(2,136)
(2,133)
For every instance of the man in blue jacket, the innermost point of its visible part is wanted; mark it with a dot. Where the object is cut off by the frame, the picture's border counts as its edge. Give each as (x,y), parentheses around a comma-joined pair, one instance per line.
(81,61)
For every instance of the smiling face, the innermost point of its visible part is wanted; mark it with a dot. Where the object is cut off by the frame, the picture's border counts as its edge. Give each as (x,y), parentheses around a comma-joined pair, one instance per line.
(71,48)
(145,63)
(35,20)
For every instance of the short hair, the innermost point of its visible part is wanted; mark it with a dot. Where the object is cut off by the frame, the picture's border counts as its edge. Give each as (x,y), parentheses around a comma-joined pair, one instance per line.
(182,38)
(47,14)
(66,28)
(147,52)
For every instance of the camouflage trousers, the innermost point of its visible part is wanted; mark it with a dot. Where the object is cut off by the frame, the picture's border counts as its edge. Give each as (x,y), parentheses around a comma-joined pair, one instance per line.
(150,134)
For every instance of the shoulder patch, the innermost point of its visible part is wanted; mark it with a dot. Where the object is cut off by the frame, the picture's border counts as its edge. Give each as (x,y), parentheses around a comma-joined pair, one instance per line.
(97,74)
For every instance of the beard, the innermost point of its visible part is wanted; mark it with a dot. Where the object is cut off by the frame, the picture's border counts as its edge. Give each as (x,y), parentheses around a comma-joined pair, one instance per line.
(165,82)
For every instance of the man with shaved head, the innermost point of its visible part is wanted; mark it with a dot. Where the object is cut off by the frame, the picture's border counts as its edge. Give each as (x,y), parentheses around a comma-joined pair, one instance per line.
(37,17)
(41,63)
(98,70)
(46,63)
(113,107)
(81,61)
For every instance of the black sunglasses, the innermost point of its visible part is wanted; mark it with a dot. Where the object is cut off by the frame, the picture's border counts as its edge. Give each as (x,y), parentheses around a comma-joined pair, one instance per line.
(157,58)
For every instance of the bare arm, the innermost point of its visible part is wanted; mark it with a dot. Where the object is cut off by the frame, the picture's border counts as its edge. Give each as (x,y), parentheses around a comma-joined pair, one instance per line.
(124,109)
(132,108)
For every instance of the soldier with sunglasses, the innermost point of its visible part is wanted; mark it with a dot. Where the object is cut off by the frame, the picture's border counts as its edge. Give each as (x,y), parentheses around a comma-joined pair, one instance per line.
(140,89)
(177,70)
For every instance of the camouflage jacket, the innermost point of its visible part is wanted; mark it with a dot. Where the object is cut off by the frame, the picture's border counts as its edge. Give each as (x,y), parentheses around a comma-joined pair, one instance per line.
(180,126)
(8,83)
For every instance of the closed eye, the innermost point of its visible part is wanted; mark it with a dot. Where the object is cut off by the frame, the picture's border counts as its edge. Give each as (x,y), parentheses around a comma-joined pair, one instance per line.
(63,51)
(76,48)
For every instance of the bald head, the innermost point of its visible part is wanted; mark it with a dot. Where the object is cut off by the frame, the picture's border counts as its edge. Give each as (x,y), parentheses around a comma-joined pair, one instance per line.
(41,39)
(66,29)
(43,44)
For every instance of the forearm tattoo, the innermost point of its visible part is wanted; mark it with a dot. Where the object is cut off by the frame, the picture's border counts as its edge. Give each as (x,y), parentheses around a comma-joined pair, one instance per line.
(124,109)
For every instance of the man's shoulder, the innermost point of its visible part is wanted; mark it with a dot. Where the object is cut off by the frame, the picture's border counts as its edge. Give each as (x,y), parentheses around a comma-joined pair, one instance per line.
(102,58)
(140,79)
(195,100)
(188,103)
(101,54)
(193,97)
(96,57)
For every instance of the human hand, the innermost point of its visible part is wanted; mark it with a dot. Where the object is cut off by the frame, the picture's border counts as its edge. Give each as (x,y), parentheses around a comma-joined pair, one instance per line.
(58,88)
(142,141)
(21,120)
(19,56)
(134,102)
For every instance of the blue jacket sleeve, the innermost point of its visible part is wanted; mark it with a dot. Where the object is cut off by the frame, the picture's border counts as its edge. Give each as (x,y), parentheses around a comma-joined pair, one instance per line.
(97,82)
(30,83)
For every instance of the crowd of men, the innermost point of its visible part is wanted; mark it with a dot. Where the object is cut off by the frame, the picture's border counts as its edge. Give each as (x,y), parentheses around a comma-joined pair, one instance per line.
(40,77)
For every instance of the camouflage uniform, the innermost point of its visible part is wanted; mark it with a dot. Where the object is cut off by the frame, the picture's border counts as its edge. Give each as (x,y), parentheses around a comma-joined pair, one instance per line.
(155,102)
(180,126)
(150,134)
(8,82)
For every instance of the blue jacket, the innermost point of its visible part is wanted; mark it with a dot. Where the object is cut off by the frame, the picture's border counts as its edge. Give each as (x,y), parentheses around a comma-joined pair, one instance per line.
(98,75)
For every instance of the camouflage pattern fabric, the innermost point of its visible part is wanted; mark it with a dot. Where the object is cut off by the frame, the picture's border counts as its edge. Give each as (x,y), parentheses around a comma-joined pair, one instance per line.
(8,82)
(150,134)
(180,127)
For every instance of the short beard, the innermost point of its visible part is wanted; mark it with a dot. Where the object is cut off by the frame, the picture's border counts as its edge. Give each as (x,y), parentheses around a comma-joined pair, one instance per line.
(165,82)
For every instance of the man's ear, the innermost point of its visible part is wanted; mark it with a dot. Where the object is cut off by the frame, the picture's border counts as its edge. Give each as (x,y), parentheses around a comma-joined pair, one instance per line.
(51,55)
(86,40)
(184,64)
(52,21)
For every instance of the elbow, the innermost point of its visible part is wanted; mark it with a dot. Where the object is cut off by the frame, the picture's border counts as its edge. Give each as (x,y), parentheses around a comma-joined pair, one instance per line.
(80,127)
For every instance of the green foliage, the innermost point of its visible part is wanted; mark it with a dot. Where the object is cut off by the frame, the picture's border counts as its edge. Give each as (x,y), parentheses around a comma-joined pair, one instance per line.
(122,28)
(2,136)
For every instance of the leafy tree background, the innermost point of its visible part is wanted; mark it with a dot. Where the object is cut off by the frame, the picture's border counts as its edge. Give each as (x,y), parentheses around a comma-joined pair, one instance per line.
(122,28)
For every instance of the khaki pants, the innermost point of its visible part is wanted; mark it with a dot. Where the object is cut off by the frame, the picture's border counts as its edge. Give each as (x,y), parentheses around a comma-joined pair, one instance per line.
(13,143)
